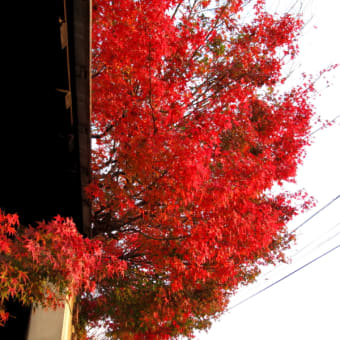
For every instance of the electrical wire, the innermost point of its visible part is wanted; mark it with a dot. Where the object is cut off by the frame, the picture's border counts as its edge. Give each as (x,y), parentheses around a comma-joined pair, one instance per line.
(308,219)
(285,277)
(319,244)
(324,127)
(296,257)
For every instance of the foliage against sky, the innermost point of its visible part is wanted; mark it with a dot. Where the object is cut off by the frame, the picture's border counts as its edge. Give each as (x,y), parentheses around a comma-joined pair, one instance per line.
(190,134)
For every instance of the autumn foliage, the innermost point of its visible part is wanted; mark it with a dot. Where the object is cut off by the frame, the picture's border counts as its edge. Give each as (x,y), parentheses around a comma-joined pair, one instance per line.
(40,266)
(191,129)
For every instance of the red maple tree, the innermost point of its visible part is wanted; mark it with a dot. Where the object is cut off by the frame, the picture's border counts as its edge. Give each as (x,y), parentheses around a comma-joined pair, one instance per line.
(191,130)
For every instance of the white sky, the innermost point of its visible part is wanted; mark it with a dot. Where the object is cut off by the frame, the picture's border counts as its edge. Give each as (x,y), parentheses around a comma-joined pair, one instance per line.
(306,305)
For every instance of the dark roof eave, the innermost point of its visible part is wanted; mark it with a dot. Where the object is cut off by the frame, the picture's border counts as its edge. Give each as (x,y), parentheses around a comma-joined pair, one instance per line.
(81,95)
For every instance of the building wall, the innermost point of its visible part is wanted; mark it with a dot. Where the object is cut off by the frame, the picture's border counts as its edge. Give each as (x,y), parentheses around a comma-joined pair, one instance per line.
(48,324)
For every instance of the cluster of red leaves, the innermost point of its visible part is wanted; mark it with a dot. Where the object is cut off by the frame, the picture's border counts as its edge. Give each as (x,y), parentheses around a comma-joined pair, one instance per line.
(190,135)
(42,265)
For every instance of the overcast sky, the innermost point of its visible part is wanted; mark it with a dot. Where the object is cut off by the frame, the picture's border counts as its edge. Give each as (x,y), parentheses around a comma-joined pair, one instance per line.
(305,305)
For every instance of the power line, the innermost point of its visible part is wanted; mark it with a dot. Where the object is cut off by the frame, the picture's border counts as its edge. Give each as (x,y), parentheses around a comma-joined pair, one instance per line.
(274,272)
(323,127)
(318,245)
(286,276)
(308,219)
(301,225)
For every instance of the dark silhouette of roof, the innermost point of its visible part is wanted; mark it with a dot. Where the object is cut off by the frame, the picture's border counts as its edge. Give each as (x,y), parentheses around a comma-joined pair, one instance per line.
(44,127)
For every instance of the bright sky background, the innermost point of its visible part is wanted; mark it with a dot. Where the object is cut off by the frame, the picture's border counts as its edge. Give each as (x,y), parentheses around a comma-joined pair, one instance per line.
(305,305)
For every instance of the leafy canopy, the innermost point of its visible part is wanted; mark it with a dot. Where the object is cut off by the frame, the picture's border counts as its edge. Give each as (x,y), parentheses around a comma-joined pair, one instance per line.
(191,130)
(190,133)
